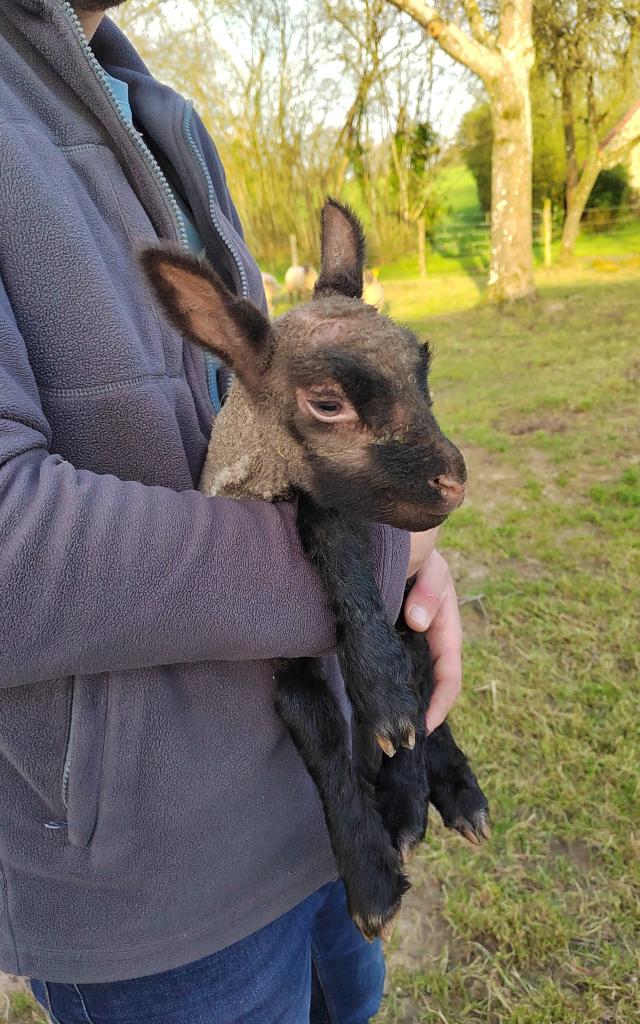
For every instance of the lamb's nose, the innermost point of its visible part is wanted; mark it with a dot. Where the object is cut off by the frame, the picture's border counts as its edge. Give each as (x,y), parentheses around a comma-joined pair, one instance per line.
(452,490)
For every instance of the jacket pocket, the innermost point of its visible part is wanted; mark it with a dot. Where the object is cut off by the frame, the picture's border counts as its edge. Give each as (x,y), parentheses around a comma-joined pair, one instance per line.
(84,755)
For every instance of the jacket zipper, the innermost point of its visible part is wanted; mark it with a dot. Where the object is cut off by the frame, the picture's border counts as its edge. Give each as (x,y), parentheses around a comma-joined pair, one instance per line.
(66,767)
(213,213)
(181,235)
(135,137)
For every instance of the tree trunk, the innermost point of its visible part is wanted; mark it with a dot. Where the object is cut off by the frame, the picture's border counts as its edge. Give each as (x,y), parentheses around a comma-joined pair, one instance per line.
(571,173)
(511,268)
(503,60)
(577,200)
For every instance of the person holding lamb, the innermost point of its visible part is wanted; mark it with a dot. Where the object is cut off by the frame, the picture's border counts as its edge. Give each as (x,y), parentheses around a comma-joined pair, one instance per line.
(164,851)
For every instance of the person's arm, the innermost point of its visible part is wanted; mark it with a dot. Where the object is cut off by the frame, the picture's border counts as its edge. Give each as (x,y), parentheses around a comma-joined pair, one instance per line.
(99,574)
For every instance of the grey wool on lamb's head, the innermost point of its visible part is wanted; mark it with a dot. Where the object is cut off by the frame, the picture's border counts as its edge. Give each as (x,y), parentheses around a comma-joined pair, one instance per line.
(331,398)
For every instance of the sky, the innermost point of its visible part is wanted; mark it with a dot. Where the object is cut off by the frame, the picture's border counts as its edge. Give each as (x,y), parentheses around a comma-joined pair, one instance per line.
(451,96)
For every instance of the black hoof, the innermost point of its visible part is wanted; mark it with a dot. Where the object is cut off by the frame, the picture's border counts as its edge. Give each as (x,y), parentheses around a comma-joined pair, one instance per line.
(467,811)
(375,898)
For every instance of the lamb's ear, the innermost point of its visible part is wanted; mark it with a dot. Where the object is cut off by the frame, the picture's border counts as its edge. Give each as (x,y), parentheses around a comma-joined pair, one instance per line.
(204,310)
(343,250)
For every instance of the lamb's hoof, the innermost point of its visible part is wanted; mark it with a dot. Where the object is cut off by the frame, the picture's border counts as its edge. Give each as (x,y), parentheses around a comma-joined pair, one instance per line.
(410,740)
(386,933)
(386,745)
(377,926)
(475,828)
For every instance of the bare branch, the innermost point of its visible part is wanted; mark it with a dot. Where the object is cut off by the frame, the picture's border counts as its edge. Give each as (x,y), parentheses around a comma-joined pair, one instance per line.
(474,55)
(621,138)
(515,22)
(479,30)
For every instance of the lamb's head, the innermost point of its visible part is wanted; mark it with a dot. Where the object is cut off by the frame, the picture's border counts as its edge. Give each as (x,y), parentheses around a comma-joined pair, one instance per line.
(346,386)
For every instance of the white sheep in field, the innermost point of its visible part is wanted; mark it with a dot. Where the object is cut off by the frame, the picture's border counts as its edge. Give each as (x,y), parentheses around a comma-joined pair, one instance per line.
(300,281)
(272,289)
(373,292)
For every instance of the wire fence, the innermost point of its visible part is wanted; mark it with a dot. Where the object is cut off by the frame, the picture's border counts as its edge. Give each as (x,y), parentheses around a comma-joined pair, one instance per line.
(470,236)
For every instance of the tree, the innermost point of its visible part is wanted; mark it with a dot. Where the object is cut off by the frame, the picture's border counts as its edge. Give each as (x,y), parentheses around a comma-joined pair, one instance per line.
(257,73)
(500,51)
(386,149)
(475,139)
(592,50)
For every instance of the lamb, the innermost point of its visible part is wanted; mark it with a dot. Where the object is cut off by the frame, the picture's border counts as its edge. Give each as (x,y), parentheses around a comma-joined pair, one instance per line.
(331,406)
(373,292)
(299,282)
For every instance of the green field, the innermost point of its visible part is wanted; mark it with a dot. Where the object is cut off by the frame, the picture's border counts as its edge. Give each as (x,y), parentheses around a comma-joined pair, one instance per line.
(541,926)
(452,256)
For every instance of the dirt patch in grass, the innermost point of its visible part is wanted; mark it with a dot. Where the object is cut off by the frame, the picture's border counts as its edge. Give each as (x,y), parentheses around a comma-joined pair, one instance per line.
(550,423)
(421,934)
(575,851)
(490,477)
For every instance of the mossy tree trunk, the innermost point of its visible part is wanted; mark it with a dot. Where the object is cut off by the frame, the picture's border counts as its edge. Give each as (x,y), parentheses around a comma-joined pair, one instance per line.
(511,267)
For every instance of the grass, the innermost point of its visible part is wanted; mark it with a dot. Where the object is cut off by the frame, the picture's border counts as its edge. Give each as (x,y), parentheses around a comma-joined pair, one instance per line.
(542,926)
(20,1008)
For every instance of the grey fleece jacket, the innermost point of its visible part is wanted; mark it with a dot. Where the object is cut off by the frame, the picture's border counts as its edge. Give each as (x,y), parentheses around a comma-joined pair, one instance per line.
(152,808)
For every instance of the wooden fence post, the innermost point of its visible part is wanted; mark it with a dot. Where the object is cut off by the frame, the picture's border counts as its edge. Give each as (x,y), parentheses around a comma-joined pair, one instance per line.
(293,245)
(422,256)
(546,231)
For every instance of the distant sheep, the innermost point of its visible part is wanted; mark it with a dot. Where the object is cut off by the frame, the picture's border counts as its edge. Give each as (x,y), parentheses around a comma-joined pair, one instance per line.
(299,282)
(373,292)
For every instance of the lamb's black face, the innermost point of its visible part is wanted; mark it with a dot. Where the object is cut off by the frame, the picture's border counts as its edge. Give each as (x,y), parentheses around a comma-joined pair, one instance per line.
(349,385)
(356,385)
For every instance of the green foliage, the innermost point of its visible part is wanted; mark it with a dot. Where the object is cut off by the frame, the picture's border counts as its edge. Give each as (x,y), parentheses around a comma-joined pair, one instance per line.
(611,189)
(414,150)
(549,163)
(476,139)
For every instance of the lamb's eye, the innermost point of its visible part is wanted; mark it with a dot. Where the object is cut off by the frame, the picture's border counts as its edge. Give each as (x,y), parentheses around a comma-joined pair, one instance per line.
(327,408)
(326,405)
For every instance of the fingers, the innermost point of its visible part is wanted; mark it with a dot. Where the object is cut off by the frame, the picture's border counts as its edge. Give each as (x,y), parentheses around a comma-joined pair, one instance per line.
(432,605)
(445,644)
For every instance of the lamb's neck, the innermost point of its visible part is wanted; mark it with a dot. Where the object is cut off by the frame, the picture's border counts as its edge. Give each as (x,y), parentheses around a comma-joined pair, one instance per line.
(249,453)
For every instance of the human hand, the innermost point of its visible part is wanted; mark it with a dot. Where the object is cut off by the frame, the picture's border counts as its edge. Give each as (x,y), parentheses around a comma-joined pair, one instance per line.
(431,607)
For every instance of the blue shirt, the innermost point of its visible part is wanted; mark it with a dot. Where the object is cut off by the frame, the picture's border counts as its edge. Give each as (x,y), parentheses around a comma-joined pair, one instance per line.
(120,90)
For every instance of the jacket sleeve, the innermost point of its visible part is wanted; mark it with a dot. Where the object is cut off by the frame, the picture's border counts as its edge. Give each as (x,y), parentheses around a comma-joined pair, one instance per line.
(98,574)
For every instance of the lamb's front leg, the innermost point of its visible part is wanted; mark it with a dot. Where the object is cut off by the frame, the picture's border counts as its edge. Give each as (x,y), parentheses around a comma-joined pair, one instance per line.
(373,660)
(366,859)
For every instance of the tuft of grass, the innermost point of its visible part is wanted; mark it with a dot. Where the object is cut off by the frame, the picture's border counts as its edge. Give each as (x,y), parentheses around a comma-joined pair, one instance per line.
(541,926)
(21,1008)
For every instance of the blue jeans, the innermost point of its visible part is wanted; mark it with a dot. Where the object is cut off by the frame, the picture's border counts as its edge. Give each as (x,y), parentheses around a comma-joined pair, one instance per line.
(310,966)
